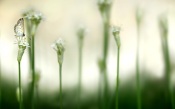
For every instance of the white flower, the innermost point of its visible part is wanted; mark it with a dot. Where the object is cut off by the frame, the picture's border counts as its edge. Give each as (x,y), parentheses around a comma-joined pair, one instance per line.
(58,46)
(116,30)
(22,41)
(33,15)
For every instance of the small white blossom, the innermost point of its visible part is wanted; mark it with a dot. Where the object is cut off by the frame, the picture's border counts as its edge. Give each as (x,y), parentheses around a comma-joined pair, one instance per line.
(33,15)
(22,41)
(58,46)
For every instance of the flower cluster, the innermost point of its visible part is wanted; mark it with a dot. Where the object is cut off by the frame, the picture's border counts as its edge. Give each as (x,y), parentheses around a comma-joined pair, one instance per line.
(33,15)
(58,46)
(22,41)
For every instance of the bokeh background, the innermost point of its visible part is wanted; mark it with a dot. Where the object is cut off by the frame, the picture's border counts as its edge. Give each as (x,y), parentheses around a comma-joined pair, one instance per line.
(62,19)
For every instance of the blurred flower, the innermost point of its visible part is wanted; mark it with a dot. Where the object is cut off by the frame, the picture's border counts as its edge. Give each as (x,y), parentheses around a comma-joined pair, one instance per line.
(116,33)
(101,65)
(139,16)
(104,7)
(37,78)
(80,33)
(163,25)
(33,15)
(58,46)
(18,95)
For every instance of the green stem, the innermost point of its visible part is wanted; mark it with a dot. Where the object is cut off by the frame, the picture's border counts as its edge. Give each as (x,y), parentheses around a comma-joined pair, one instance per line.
(0,76)
(137,71)
(99,92)
(168,71)
(117,79)
(60,72)
(37,96)
(172,98)
(80,74)
(33,69)
(20,89)
(105,51)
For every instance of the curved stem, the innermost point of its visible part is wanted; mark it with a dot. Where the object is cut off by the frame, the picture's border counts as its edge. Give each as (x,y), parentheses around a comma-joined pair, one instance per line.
(60,72)
(117,78)
(20,89)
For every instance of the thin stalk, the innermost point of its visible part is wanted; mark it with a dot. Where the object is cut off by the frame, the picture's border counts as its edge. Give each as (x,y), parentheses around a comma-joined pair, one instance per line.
(37,96)
(137,70)
(0,73)
(99,91)
(105,51)
(29,41)
(117,79)
(20,89)
(33,69)
(80,75)
(60,72)
(0,76)
(168,72)
(172,98)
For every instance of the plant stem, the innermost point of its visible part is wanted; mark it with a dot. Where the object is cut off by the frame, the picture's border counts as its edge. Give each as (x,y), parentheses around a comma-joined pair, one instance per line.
(37,96)
(60,72)
(172,98)
(168,71)
(80,74)
(0,75)
(99,91)
(20,89)
(33,69)
(117,78)
(137,70)
(105,51)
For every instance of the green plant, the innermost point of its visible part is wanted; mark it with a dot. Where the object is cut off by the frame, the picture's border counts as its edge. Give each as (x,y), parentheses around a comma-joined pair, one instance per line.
(0,76)
(105,7)
(163,25)
(116,33)
(22,44)
(139,16)
(58,46)
(33,19)
(80,34)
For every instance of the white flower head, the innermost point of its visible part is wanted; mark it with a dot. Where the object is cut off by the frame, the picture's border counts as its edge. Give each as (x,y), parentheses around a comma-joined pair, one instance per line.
(58,46)
(33,15)
(116,30)
(22,41)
